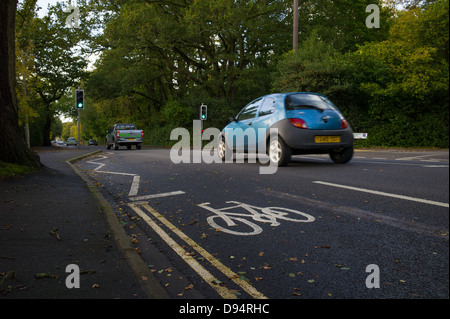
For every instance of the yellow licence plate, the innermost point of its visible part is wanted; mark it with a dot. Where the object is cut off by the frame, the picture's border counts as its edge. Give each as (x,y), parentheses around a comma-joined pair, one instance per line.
(327,139)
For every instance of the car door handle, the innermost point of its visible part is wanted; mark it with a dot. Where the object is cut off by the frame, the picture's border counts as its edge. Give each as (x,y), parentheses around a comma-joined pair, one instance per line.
(250,123)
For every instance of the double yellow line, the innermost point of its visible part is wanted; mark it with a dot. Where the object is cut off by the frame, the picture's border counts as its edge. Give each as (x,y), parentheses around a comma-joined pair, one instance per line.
(199,269)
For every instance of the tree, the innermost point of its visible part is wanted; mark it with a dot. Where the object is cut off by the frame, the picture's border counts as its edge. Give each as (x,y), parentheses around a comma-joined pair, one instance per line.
(13,146)
(177,54)
(341,24)
(57,67)
(395,89)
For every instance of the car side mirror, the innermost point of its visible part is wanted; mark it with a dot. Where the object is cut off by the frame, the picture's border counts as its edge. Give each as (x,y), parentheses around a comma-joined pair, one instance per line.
(232,119)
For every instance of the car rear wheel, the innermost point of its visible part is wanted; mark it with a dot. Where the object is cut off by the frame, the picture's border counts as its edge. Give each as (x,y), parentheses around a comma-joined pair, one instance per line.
(221,150)
(342,156)
(279,152)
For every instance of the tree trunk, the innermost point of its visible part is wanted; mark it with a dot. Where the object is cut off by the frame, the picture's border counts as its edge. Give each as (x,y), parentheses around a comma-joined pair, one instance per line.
(47,125)
(13,148)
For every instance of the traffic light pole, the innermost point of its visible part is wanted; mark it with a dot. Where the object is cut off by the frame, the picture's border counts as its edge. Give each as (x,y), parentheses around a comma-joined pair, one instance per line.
(79,128)
(79,104)
(202,115)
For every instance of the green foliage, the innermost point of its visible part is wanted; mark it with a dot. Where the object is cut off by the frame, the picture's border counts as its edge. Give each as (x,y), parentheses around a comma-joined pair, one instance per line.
(160,60)
(395,89)
(48,66)
(8,170)
(169,57)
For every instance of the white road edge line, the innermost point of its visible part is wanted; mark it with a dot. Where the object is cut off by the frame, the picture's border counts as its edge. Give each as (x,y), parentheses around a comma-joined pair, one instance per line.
(425,201)
(136,178)
(139,198)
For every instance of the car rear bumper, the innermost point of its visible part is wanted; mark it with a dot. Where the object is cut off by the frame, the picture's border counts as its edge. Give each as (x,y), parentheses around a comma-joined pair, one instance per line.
(129,141)
(304,140)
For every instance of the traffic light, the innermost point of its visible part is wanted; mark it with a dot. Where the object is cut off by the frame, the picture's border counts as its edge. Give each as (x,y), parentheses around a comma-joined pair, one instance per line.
(79,99)
(203,112)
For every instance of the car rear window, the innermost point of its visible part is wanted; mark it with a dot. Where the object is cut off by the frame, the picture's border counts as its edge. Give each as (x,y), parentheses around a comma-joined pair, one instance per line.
(125,127)
(308,101)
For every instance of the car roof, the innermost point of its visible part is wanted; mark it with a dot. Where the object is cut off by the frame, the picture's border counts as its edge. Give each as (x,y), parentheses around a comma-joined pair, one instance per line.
(285,94)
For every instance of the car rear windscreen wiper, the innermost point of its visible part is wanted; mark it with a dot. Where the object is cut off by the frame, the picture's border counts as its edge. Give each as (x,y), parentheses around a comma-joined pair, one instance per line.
(303,106)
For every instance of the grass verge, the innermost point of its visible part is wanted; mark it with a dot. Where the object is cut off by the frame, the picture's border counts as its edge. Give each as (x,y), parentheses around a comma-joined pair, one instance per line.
(8,170)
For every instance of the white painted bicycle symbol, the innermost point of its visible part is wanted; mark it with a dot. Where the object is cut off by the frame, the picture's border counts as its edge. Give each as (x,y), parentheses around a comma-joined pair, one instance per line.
(238,219)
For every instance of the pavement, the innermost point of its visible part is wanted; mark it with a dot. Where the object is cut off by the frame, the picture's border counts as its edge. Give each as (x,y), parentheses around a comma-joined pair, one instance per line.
(54,218)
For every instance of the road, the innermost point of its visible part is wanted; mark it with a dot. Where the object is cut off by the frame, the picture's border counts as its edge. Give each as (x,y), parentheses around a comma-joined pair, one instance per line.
(376,227)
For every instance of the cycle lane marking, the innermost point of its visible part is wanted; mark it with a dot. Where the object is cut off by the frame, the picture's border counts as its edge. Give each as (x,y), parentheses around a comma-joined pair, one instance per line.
(206,275)
(364,190)
(267,215)
(359,213)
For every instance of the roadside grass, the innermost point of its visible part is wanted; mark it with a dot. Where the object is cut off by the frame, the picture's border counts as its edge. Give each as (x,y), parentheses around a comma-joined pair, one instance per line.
(8,170)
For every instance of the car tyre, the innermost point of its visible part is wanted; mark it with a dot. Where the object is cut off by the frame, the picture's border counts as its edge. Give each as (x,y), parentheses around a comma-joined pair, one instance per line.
(116,146)
(222,149)
(279,153)
(342,156)
(138,146)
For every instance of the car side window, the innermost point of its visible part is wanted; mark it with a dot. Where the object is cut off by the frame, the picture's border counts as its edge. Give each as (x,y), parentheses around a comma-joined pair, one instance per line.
(267,107)
(249,111)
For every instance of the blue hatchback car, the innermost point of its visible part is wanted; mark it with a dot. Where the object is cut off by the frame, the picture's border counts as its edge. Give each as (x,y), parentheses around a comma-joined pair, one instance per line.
(307,123)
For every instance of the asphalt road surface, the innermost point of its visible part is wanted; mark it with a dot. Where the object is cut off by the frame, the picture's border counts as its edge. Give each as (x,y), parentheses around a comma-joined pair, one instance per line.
(376,227)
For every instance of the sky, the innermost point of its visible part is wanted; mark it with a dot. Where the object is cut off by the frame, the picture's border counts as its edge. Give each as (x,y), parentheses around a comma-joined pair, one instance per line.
(44,4)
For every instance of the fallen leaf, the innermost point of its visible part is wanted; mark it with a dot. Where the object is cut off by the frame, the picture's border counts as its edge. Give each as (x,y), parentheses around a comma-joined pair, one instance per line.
(44,275)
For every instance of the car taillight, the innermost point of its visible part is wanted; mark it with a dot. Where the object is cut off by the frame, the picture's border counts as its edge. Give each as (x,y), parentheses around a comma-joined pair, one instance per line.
(142,134)
(118,134)
(298,123)
(344,123)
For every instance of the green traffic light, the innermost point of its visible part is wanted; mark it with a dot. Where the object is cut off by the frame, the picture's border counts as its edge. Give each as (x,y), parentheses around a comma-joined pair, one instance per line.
(80,105)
